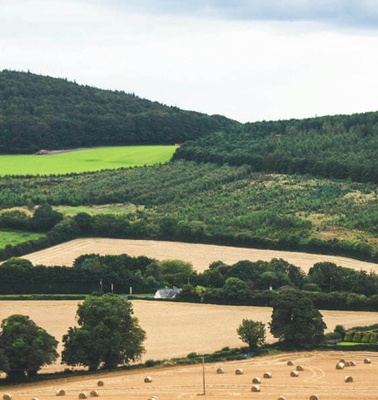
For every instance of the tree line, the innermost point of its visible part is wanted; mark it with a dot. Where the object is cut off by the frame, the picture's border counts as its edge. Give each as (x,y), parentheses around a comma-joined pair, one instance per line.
(258,283)
(40,112)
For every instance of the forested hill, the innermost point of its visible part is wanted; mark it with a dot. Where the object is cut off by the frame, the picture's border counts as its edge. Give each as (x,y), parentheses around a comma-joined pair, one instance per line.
(40,112)
(342,147)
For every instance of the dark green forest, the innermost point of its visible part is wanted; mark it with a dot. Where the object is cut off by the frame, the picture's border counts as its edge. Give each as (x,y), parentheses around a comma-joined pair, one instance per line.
(341,147)
(38,112)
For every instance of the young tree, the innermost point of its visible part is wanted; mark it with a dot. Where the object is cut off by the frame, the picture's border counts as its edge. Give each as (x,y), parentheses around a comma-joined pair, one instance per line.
(108,334)
(252,332)
(25,347)
(296,320)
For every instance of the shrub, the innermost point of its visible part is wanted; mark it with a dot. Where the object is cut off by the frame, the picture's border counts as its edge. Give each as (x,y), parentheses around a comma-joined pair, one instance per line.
(357,337)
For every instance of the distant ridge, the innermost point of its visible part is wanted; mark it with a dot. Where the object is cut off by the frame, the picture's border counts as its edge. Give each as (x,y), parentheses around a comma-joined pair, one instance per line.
(39,112)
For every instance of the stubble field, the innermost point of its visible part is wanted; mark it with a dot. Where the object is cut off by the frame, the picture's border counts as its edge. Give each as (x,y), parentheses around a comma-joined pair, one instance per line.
(200,255)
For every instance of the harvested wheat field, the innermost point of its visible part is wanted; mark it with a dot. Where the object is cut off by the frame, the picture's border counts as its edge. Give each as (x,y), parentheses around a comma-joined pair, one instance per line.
(200,255)
(319,378)
(173,329)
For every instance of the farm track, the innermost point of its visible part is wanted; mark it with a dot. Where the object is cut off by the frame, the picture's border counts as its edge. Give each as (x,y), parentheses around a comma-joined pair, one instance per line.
(200,255)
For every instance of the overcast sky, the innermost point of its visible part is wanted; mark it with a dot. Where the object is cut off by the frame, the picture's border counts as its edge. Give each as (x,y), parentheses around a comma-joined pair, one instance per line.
(249,60)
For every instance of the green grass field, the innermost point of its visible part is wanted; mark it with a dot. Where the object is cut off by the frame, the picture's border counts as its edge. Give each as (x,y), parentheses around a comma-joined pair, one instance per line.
(95,210)
(14,237)
(85,160)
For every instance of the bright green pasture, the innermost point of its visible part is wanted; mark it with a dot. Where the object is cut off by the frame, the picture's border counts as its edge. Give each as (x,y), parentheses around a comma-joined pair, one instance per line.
(15,237)
(85,160)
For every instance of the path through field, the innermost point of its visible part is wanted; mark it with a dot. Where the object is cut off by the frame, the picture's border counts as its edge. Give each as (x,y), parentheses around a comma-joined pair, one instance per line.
(200,255)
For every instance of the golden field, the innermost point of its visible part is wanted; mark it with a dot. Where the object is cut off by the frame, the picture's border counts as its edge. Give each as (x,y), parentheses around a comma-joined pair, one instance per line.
(200,255)
(173,329)
(319,377)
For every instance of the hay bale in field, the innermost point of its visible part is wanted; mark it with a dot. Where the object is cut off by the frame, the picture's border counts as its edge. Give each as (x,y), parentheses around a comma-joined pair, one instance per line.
(347,363)
(348,379)
(220,371)
(342,360)
(294,374)
(35,398)
(239,371)
(153,398)
(340,365)
(60,392)
(300,368)
(7,396)
(256,380)
(147,379)
(352,363)
(281,398)
(82,395)
(314,397)
(94,393)
(267,375)
(290,363)
(255,388)
(100,383)
(367,361)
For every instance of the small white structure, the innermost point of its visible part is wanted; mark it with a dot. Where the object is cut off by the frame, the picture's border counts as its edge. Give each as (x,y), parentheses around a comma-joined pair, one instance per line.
(167,293)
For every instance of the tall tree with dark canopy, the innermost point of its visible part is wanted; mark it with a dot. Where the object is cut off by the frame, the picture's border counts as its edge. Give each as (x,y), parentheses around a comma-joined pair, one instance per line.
(295,319)
(108,334)
(25,347)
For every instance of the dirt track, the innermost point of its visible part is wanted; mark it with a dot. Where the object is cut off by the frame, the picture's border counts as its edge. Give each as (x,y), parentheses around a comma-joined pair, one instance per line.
(200,255)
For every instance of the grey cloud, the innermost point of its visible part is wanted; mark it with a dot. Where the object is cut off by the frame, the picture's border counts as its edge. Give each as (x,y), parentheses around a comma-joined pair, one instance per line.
(347,13)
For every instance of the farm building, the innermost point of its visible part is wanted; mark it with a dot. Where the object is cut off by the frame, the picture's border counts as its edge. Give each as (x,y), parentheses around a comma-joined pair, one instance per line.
(167,293)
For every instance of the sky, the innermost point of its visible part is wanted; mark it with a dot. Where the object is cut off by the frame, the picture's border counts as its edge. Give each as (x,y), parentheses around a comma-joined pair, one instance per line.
(249,60)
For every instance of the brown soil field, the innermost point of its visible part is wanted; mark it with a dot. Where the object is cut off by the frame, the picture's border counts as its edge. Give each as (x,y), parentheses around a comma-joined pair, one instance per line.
(173,329)
(200,255)
(319,378)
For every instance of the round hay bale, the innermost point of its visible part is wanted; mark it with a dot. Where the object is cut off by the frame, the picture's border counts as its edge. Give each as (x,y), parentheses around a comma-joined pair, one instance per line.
(7,396)
(367,361)
(147,379)
(347,363)
(94,393)
(239,371)
(290,363)
(314,397)
(153,398)
(348,379)
(100,383)
(281,398)
(82,395)
(35,398)
(342,360)
(340,365)
(256,380)
(300,368)
(352,363)
(60,392)
(267,375)
(220,371)
(294,374)
(255,388)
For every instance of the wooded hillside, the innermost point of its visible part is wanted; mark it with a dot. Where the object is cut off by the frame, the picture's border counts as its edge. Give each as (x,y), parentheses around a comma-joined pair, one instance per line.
(341,147)
(39,112)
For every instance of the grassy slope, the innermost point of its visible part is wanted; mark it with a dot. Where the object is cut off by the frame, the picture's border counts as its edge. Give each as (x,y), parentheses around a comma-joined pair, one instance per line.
(84,160)
(14,237)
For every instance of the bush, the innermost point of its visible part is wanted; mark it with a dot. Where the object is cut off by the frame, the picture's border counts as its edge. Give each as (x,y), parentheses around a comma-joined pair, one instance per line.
(357,337)
(366,337)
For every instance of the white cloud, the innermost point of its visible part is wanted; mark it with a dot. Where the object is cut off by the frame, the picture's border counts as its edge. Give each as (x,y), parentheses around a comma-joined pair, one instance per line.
(246,70)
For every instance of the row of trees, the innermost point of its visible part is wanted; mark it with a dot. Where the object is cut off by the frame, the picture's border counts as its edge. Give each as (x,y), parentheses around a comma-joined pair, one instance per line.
(107,335)
(244,283)
(39,112)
